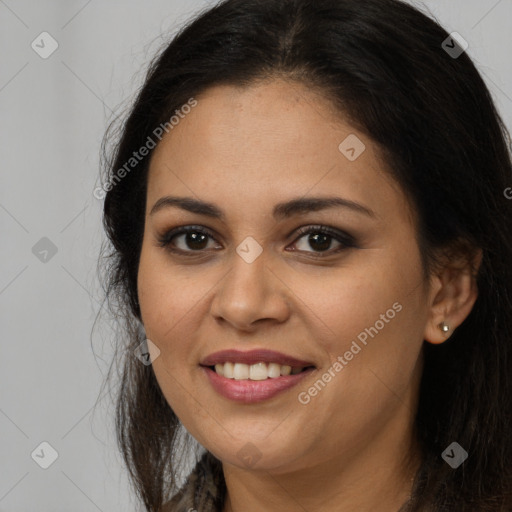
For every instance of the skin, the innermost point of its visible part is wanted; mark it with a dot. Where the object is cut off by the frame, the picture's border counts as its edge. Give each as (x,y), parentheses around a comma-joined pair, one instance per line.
(352,446)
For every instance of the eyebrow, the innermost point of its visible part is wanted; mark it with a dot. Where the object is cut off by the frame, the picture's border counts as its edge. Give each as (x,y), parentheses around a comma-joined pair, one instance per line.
(283,210)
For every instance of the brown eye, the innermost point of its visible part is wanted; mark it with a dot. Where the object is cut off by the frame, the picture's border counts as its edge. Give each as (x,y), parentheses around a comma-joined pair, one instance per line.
(321,239)
(186,239)
(193,240)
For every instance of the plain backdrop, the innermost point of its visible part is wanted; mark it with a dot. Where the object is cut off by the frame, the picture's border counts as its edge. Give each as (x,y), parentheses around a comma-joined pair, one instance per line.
(53,114)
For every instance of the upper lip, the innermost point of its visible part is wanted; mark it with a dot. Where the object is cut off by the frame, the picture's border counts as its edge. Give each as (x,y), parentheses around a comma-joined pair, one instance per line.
(253,357)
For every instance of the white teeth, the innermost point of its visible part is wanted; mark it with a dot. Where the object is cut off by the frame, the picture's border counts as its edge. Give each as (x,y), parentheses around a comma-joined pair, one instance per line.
(228,370)
(286,370)
(258,371)
(274,370)
(241,371)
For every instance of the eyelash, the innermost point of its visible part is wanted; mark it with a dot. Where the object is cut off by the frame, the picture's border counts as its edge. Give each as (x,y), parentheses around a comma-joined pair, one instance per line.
(345,239)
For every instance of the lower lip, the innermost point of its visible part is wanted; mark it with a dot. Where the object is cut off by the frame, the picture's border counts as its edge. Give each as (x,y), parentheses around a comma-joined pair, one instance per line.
(253,391)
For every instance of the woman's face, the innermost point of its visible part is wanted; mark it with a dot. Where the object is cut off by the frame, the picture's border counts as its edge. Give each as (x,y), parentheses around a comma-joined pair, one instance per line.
(353,307)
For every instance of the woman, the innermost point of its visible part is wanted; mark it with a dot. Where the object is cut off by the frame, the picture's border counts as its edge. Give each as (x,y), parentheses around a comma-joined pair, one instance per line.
(309,228)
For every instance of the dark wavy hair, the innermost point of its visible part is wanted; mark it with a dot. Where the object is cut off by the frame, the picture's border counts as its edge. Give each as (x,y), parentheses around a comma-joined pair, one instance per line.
(381,62)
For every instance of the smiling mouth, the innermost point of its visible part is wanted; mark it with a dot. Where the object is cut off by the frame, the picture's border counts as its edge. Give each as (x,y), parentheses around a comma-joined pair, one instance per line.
(258,371)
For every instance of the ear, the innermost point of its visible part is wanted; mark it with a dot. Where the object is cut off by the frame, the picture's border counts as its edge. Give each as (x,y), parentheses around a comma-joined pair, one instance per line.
(453,293)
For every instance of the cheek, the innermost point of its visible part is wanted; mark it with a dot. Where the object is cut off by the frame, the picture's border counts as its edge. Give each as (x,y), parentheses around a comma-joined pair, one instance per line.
(382,292)
(163,296)
(172,303)
(369,323)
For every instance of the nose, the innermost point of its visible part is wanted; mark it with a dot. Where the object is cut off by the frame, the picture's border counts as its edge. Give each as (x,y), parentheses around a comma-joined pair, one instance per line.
(251,294)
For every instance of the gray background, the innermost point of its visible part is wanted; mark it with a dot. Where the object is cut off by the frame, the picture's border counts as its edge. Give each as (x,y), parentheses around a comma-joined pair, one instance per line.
(53,113)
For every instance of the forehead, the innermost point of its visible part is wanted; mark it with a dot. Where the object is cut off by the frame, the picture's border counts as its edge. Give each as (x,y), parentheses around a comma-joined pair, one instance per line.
(268,141)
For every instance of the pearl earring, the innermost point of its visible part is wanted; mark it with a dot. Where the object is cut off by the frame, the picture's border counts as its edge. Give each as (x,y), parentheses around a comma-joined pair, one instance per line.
(444,327)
